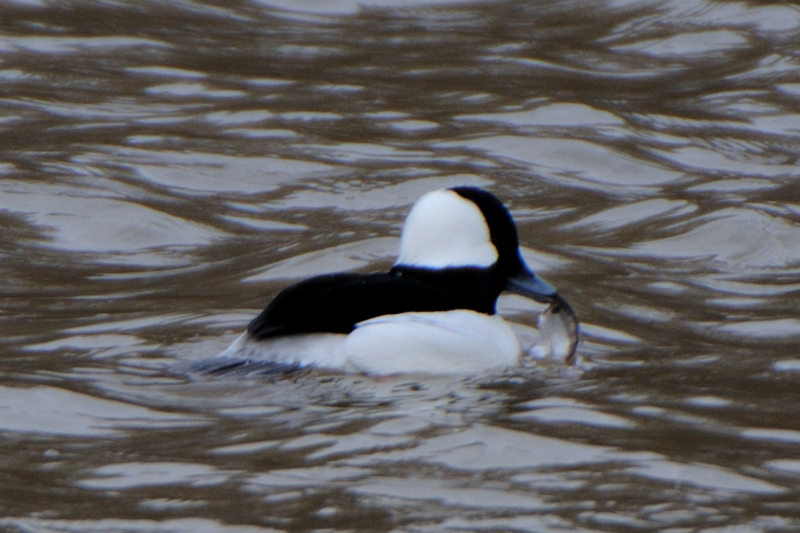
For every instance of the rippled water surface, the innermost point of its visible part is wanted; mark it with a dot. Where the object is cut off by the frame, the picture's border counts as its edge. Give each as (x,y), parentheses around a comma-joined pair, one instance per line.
(167,167)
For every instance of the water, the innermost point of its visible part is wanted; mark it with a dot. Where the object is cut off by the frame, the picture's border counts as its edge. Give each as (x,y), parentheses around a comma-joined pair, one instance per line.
(167,167)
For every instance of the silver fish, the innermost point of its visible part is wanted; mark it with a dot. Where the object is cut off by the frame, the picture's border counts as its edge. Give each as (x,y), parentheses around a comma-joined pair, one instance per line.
(560,331)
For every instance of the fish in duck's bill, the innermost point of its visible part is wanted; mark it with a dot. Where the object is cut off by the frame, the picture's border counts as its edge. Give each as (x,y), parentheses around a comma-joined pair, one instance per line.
(559,330)
(433,312)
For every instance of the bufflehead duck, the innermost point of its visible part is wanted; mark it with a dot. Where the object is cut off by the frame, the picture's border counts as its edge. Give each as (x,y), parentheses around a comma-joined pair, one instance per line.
(432,313)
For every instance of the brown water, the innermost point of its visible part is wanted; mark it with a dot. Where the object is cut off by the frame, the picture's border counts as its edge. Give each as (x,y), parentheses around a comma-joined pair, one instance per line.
(167,167)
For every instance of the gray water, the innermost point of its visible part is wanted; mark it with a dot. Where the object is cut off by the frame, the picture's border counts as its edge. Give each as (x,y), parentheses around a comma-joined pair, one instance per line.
(167,167)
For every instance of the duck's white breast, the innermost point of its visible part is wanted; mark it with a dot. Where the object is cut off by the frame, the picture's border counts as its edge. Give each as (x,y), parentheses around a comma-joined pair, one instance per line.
(451,342)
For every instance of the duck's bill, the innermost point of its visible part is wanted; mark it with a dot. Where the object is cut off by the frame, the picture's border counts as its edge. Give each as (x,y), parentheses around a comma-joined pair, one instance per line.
(526,283)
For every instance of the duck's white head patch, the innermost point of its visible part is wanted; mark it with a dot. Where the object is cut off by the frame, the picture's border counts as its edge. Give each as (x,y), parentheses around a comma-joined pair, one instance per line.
(445,230)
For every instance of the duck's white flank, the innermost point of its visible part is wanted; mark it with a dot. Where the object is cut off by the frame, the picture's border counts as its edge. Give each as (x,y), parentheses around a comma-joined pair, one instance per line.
(321,350)
(460,341)
(450,342)
(444,230)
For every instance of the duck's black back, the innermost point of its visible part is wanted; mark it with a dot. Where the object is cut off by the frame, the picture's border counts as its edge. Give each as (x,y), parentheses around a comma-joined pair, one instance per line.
(335,303)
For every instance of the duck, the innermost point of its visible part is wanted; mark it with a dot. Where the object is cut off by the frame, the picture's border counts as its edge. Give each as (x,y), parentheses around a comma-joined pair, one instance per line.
(433,312)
